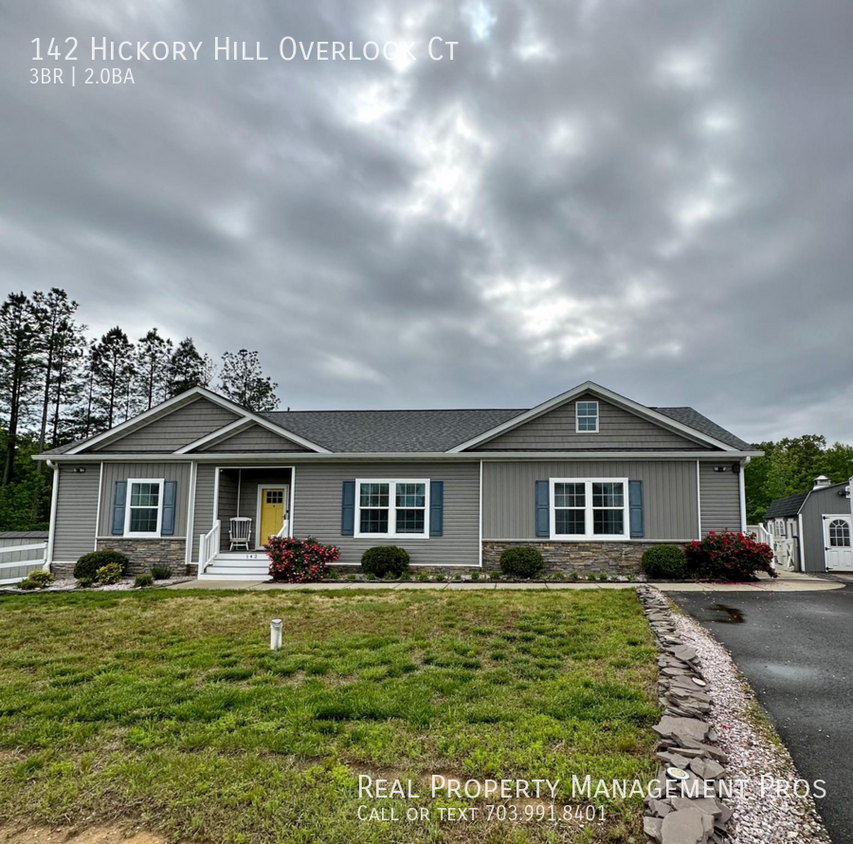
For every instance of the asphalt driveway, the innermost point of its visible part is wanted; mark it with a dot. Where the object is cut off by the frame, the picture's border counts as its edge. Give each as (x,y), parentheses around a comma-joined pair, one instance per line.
(796,649)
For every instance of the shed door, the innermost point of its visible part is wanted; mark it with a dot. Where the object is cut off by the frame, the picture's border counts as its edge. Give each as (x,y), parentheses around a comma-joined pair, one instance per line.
(837,542)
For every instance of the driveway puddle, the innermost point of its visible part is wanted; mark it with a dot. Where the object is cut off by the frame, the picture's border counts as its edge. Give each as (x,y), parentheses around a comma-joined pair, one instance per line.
(728,615)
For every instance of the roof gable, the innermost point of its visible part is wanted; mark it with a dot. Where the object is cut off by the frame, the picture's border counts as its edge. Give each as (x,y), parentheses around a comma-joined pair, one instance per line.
(253,438)
(173,430)
(618,429)
(595,391)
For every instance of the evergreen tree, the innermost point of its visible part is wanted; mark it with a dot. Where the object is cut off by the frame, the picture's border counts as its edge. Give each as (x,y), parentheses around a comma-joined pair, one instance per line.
(112,373)
(188,369)
(20,365)
(153,358)
(242,380)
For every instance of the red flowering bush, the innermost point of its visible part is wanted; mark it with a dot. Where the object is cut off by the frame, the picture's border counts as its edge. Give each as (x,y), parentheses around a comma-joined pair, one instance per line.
(300,560)
(728,556)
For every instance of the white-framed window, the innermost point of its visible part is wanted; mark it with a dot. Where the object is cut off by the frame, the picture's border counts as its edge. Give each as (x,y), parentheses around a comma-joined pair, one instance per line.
(392,507)
(839,533)
(589,508)
(144,512)
(586,417)
(780,528)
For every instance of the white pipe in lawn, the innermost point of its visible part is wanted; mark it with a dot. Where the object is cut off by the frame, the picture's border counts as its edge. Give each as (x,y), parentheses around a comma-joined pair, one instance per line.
(275,634)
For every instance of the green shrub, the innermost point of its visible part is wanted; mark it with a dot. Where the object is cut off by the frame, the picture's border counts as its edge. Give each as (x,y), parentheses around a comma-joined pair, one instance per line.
(422,576)
(143,580)
(475,575)
(161,572)
(370,576)
(350,577)
(439,578)
(521,562)
(406,575)
(108,574)
(494,575)
(592,576)
(389,575)
(85,582)
(382,559)
(574,577)
(38,579)
(88,564)
(664,562)
(603,576)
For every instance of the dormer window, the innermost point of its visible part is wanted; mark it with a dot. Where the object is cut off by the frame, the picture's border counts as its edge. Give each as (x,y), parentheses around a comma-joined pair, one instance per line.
(586,417)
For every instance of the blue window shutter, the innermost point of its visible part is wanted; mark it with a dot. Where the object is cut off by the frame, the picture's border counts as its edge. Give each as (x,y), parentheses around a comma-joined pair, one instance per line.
(543,509)
(436,508)
(635,502)
(119,500)
(348,509)
(170,497)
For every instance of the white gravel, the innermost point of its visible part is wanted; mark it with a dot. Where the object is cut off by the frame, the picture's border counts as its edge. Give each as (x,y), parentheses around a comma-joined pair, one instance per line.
(70,584)
(753,750)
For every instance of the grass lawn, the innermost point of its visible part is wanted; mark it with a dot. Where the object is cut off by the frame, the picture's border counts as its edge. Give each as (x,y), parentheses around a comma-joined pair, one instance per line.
(166,708)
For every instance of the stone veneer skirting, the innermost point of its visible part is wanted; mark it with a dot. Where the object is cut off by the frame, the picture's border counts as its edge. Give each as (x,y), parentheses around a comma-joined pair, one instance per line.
(612,558)
(142,553)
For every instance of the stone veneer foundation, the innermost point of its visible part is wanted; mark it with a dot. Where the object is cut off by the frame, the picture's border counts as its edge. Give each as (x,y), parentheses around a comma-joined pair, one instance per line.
(142,554)
(612,558)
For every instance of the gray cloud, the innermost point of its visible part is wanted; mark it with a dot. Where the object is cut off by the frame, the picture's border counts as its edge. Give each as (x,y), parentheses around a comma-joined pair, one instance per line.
(655,196)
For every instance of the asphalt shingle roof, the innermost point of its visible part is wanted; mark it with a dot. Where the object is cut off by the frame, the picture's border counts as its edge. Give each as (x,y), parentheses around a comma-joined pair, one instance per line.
(390,430)
(693,419)
(789,506)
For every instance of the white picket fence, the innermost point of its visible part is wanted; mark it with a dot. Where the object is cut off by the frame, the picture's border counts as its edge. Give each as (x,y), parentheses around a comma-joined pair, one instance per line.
(20,553)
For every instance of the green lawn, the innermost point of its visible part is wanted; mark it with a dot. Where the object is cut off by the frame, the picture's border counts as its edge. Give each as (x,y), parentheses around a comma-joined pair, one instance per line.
(166,708)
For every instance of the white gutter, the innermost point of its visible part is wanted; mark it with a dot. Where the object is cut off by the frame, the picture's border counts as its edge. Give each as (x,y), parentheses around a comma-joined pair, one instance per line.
(54,498)
(505,456)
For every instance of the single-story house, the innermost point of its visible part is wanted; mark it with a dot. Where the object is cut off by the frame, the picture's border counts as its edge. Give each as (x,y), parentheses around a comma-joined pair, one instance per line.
(590,477)
(813,529)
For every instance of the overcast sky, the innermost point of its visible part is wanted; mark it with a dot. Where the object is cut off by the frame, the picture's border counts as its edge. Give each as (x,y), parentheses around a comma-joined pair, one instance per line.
(657,196)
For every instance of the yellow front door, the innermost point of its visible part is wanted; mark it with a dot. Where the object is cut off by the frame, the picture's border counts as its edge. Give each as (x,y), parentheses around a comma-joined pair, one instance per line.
(272,512)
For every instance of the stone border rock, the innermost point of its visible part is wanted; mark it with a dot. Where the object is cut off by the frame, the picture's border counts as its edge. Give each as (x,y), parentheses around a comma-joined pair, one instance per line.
(700,690)
(688,745)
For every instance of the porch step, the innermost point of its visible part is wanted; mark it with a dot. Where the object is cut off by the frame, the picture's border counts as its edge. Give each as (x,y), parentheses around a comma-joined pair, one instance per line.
(238,566)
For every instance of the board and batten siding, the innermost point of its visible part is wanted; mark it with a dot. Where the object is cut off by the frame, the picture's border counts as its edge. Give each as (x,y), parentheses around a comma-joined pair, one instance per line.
(76,512)
(317,509)
(669,494)
(720,498)
(255,438)
(113,472)
(820,503)
(617,428)
(173,431)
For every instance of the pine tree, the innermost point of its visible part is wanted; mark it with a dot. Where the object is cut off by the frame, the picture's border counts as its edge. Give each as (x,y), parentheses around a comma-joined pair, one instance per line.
(153,357)
(188,369)
(20,363)
(242,380)
(112,371)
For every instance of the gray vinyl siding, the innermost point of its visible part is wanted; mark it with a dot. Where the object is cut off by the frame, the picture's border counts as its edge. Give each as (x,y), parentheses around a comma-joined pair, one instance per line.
(173,431)
(203,512)
(30,560)
(76,513)
(227,506)
(255,438)
(669,494)
(317,509)
(820,503)
(720,498)
(113,472)
(617,428)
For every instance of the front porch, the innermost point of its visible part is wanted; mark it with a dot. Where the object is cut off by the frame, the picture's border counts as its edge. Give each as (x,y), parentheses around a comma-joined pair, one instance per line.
(260,497)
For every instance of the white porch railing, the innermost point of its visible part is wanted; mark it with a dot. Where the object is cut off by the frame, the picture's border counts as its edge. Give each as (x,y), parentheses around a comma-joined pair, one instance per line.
(761,534)
(13,571)
(208,546)
(285,527)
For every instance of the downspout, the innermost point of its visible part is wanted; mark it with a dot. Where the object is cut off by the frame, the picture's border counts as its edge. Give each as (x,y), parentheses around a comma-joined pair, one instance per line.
(802,562)
(54,497)
(742,484)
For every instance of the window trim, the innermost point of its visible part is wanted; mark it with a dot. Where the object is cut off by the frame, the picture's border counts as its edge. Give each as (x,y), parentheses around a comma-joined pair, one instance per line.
(578,418)
(392,508)
(161,482)
(589,536)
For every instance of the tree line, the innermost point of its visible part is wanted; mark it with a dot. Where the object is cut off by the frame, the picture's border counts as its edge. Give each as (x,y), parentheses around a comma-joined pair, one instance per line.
(58,384)
(790,466)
